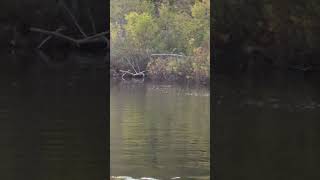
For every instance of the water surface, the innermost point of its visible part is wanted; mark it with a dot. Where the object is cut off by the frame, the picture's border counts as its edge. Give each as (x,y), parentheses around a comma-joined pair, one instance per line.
(159,131)
(266,126)
(53,122)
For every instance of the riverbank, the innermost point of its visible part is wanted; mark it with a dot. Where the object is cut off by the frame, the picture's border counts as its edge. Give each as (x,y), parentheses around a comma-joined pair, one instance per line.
(141,64)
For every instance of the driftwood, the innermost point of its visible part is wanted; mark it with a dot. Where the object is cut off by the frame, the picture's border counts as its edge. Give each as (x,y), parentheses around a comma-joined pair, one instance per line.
(49,37)
(134,75)
(73,19)
(90,39)
(93,25)
(166,55)
(96,38)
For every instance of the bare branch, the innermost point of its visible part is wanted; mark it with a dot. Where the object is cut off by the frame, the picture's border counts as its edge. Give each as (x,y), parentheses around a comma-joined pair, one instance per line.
(49,37)
(174,55)
(56,34)
(132,74)
(93,25)
(131,65)
(73,19)
(77,42)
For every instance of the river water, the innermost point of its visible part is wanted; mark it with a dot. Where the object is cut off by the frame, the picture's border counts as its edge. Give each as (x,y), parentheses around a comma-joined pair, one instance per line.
(159,131)
(53,119)
(266,126)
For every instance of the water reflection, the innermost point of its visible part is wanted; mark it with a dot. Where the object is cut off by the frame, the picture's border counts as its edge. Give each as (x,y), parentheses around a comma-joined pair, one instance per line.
(267,127)
(159,131)
(52,120)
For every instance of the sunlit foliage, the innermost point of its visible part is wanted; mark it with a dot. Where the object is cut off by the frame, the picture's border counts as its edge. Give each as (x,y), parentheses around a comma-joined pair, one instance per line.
(179,27)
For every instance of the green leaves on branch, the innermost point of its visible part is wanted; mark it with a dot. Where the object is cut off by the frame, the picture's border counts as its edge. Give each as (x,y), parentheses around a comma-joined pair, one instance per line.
(166,26)
(141,29)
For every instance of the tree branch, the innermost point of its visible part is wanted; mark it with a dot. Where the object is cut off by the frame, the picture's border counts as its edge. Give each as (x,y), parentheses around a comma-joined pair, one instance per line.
(77,42)
(73,19)
(49,37)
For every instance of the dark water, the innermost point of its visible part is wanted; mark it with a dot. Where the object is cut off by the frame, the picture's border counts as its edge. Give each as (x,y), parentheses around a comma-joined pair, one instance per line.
(52,118)
(267,126)
(159,131)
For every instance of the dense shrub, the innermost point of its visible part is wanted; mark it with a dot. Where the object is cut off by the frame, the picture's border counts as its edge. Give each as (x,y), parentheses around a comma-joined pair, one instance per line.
(180,27)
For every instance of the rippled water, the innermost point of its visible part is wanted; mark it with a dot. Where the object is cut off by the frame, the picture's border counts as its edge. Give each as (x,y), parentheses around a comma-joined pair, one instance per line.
(159,131)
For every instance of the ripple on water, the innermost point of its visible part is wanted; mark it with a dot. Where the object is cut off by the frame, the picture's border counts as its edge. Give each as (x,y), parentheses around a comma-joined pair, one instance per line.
(131,178)
(151,178)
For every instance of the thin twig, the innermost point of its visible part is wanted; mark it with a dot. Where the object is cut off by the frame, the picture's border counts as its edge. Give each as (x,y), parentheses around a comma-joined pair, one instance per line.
(73,19)
(131,65)
(49,37)
(92,22)
(138,66)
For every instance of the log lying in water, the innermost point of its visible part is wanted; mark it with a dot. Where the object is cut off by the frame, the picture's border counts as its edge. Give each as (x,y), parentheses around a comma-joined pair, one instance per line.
(132,75)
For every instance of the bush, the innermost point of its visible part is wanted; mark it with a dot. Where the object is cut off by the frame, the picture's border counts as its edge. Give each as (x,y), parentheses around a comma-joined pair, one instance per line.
(141,29)
(180,27)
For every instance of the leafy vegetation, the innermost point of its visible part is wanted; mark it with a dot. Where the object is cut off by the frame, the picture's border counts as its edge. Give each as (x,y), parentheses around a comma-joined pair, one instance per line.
(146,27)
(285,31)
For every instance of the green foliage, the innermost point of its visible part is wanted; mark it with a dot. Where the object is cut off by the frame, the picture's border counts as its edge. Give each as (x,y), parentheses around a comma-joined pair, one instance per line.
(166,26)
(271,25)
(172,30)
(141,29)
(120,8)
(115,30)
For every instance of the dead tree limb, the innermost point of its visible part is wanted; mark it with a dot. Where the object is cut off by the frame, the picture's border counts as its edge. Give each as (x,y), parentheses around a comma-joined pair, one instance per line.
(73,19)
(131,65)
(93,25)
(77,42)
(90,38)
(173,55)
(56,34)
(134,75)
(49,37)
